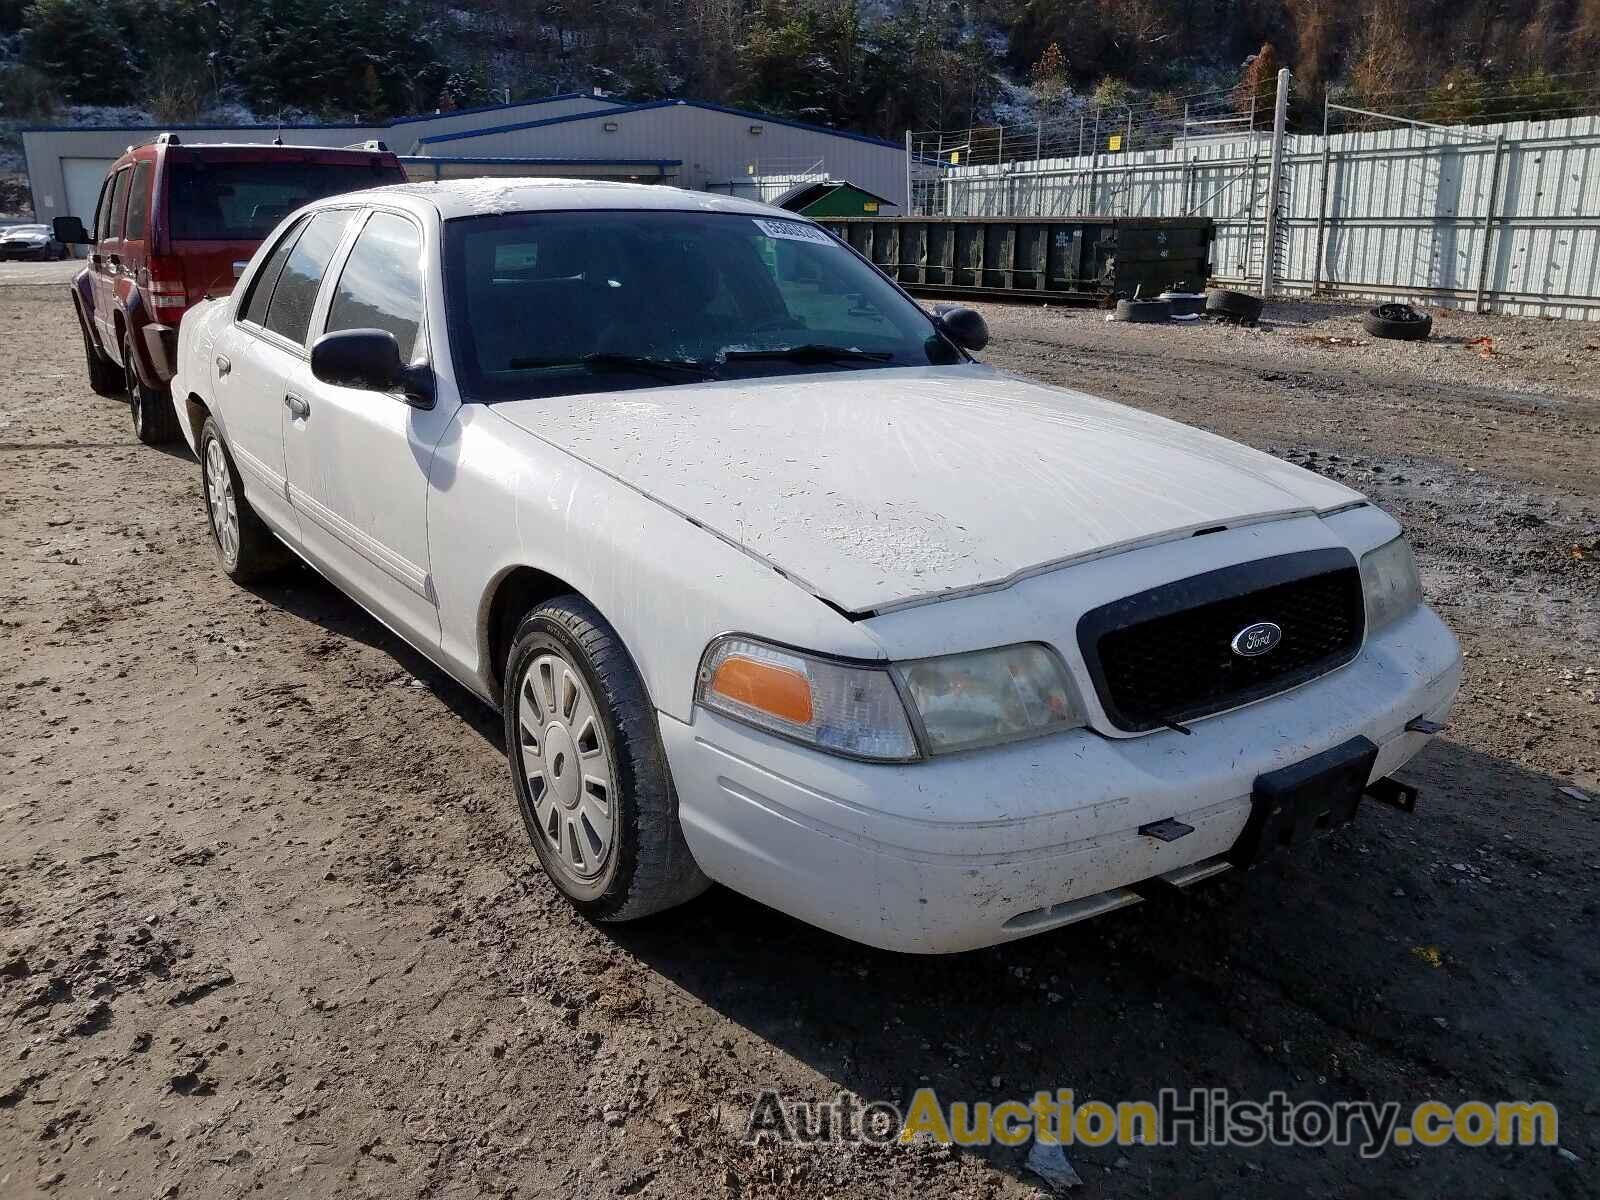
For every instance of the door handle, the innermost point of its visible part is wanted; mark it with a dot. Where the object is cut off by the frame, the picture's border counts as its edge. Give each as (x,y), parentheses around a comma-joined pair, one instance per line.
(298,408)
(224,364)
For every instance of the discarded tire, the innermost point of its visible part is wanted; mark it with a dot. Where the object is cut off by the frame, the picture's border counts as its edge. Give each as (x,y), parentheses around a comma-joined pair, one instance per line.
(1398,321)
(1143,312)
(1185,304)
(1239,307)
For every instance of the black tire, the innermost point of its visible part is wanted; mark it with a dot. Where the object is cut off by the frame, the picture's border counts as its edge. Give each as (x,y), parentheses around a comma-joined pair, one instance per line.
(1240,307)
(257,553)
(154,421)
(104,377)
(1143,312)
(1400,322)
(646,865)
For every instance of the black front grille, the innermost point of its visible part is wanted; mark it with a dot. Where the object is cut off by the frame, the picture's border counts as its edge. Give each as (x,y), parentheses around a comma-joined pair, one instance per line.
(1166,655)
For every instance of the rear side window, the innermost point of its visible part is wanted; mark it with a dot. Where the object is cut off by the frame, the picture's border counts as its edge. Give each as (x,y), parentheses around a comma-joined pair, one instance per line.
(289,310)
(243,201)
(381,284)
(254,308)
(139,202)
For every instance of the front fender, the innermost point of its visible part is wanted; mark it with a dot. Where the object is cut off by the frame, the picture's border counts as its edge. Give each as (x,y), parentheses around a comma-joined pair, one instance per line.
(501,498)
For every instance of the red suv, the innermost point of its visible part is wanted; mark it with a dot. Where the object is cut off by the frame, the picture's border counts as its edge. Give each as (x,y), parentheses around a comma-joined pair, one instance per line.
(173,226)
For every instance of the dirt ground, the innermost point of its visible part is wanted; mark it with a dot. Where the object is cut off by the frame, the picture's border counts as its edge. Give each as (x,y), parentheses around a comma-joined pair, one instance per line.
(269,924)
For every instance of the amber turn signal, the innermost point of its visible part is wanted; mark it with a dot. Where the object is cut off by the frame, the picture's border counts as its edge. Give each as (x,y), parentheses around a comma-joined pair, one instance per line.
(765,687)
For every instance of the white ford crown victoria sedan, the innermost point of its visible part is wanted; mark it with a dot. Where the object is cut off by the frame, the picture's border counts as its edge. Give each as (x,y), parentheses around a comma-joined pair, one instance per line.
(776,586)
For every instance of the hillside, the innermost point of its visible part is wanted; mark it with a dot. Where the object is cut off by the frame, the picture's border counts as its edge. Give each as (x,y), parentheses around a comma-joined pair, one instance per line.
(879,66)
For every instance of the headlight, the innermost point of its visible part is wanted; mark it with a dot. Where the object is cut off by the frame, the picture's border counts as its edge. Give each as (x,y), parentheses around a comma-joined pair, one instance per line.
(961,701)
(989,696)
(1389,580)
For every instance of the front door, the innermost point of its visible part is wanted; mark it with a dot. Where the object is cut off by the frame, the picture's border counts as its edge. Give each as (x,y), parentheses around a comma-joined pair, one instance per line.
(358,460)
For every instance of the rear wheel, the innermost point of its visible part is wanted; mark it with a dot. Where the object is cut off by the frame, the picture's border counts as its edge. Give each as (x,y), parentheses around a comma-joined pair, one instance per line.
(155,423)
(588,769)
(245,547)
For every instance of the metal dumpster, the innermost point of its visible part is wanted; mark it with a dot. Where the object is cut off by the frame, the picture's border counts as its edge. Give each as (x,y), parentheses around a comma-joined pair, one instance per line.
(1082,258)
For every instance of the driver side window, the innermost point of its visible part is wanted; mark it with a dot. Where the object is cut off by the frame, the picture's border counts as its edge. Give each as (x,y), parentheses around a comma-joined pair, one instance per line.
(254,308)
(102,211)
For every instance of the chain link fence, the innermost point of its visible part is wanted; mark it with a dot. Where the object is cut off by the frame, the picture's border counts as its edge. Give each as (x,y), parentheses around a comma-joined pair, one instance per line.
(1496,217)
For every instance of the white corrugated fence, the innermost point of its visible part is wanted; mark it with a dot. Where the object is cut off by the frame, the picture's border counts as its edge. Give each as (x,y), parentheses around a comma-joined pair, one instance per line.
(1499,217)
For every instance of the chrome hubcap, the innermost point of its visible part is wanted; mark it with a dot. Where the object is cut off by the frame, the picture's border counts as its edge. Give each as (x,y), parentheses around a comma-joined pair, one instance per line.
(219,496)
(568,767)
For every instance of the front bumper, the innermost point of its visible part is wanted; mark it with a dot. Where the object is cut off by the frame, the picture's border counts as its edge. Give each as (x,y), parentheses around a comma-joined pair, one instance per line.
(993,845)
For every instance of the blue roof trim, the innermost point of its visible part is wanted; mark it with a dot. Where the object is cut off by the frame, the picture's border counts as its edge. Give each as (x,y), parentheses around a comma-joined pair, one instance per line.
(744,114)
(459,112)
(165,128)
(483,108)
(548,162)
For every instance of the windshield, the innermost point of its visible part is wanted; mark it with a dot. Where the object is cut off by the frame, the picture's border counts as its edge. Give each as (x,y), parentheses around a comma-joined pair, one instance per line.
(545,304)
(242,201)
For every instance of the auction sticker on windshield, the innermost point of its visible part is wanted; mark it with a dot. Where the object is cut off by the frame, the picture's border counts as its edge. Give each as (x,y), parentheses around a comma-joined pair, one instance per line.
(793,231)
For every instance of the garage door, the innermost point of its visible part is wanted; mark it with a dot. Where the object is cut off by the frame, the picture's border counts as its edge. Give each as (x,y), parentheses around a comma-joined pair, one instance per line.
(83,177)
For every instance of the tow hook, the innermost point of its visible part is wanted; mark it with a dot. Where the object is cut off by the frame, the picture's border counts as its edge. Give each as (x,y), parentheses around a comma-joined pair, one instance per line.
(1394,793)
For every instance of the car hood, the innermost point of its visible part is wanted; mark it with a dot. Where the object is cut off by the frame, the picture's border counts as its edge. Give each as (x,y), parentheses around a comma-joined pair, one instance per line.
(879,488)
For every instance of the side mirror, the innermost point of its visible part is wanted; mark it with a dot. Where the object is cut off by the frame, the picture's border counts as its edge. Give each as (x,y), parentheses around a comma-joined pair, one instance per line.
(370,359)
(963,326)
(69,231)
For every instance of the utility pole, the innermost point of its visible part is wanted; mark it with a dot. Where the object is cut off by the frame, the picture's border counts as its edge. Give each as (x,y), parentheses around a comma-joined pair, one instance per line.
(909,208)
(1280,118)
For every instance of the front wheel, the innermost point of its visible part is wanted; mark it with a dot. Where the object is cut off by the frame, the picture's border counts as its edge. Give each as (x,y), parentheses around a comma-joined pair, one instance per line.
(104,378)
(155,423)
(588,769)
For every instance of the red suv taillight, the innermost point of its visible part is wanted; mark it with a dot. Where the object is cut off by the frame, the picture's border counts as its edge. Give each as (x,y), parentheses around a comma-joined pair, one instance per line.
(166,291)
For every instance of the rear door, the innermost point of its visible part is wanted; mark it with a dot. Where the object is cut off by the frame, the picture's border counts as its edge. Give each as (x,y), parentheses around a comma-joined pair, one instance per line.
(105,264)
(136,235)
(358,460)
(248,388)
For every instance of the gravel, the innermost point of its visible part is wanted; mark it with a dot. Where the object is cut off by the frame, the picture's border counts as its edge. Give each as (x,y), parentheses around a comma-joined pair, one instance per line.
(269,924)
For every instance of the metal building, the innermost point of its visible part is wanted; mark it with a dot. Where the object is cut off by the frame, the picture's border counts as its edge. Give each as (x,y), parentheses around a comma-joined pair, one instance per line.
(685,143)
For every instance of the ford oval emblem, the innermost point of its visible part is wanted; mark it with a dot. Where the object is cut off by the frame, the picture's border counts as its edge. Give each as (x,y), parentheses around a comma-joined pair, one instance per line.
(1255,640)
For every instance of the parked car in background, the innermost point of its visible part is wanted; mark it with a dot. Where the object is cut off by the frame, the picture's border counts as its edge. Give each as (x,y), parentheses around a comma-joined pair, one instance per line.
(34,242)
(173,225)
(775,585)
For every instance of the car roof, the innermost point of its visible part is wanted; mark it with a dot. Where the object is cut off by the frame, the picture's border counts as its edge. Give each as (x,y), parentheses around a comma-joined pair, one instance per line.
(488,196)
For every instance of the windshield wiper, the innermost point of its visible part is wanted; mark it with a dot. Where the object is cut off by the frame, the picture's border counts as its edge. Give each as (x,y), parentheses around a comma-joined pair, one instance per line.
(660,367)
(811,352)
